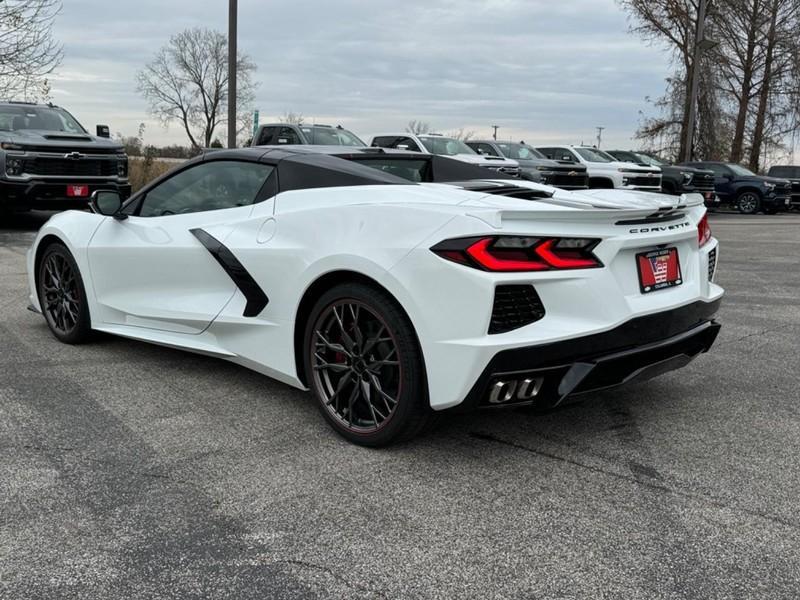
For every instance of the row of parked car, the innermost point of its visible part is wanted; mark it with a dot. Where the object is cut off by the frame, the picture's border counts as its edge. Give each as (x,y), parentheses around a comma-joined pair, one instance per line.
(575,167)
(48,160)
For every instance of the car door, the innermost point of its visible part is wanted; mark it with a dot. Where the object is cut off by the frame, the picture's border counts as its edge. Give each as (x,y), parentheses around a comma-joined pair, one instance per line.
(160,268)
(722,179)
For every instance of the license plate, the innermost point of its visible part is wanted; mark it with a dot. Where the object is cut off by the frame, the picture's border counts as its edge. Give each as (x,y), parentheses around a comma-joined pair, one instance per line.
(658,270)
(77,191)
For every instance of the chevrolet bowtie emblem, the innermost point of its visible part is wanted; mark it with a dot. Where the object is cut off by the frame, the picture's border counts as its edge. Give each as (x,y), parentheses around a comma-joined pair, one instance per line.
(74,155)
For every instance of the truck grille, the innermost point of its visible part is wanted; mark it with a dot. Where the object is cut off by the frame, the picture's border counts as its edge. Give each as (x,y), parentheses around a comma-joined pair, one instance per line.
(514,307)
(795,192)
(84,167)
(644,181)
(783,190)
(567,179)
(703,183)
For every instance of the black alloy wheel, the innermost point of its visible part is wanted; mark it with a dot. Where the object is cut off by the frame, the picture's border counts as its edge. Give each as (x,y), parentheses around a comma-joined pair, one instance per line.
(62,295)
(748,203)
(363,364)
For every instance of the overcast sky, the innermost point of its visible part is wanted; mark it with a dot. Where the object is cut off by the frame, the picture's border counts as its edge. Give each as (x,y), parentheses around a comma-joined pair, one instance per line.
(543,71)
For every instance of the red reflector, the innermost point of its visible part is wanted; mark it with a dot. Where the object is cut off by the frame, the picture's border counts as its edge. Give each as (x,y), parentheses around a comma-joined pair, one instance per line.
(703,231)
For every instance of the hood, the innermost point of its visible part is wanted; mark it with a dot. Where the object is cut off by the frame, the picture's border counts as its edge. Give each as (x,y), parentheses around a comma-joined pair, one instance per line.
(765,179)
(479,159)
(677,169)
(57,141)
(553,164)
(628,167)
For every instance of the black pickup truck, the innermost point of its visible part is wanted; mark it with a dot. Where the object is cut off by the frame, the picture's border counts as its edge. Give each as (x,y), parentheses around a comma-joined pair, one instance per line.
(49,161)
(675,180)
(747,192)
(792,173)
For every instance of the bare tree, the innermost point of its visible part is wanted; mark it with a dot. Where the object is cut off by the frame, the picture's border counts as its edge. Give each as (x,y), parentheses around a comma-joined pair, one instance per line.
(28,51)
(672,23)
(748,95)
(418,127)
(292,117)
(462,134)
(187,82)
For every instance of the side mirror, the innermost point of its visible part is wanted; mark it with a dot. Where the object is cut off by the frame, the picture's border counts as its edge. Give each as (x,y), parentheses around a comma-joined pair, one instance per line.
(103,131)
(107,203)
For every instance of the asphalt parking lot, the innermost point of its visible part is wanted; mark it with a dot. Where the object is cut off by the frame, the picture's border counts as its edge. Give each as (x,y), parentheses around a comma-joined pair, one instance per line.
(133,471)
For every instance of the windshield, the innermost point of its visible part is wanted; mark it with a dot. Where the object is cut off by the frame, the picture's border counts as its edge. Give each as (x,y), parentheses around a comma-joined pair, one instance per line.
(593,155)
(519,151)
(445,146)
(328,136)
(650,160)
(740,170)
(19,117)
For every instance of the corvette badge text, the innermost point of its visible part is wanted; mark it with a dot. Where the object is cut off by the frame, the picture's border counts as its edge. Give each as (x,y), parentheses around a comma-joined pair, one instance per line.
(659,229)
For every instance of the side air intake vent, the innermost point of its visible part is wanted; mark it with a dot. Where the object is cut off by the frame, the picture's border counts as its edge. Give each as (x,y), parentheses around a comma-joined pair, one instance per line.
(515,306)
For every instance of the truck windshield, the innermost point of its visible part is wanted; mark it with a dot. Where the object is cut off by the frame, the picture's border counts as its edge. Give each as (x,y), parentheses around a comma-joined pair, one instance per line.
(593,155)
(651,160)
(19,117)
(519,151)
(329,136)
(740,170)
(445,146)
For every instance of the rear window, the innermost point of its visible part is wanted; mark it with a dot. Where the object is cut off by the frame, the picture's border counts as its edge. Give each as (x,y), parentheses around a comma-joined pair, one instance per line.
(791,172)
(410,169)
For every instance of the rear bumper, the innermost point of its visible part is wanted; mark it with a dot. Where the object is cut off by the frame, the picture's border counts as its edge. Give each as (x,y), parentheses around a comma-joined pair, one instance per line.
(52,194)
(639,349)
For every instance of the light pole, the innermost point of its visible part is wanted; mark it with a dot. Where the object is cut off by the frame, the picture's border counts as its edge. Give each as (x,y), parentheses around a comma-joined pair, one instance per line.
(233,11)
(495,127)
(700,44)
(599,135)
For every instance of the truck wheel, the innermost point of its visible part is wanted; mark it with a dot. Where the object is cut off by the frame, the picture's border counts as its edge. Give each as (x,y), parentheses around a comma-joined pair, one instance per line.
(748,203)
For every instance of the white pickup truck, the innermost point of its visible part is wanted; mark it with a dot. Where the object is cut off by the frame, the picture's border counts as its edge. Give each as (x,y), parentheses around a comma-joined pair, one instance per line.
(604,170)
(434,143)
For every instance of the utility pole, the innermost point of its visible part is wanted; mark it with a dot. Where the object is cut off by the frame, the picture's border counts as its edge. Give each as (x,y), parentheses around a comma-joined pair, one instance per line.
(233,13)
(495,127)
(700,44)
(600,135)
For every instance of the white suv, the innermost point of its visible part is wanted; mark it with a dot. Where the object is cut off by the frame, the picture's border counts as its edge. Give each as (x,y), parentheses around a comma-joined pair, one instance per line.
(604,170)
(434,143)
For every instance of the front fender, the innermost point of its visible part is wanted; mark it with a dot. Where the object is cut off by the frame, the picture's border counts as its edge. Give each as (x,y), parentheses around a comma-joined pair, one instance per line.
(74,229)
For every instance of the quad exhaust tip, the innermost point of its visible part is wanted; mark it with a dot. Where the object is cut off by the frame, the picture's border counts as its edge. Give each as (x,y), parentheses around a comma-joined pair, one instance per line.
(513,391)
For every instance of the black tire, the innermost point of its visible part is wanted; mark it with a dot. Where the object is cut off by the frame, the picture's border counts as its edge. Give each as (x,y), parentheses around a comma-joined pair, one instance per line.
(62,296)
(748,203)
(352,336)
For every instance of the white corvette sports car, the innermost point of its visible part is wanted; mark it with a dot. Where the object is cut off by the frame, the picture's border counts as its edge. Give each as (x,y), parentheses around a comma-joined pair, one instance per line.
(387,294)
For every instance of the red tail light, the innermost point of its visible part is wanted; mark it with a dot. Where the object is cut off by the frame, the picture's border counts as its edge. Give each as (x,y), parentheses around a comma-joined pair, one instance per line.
(519,254)
(703,231)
